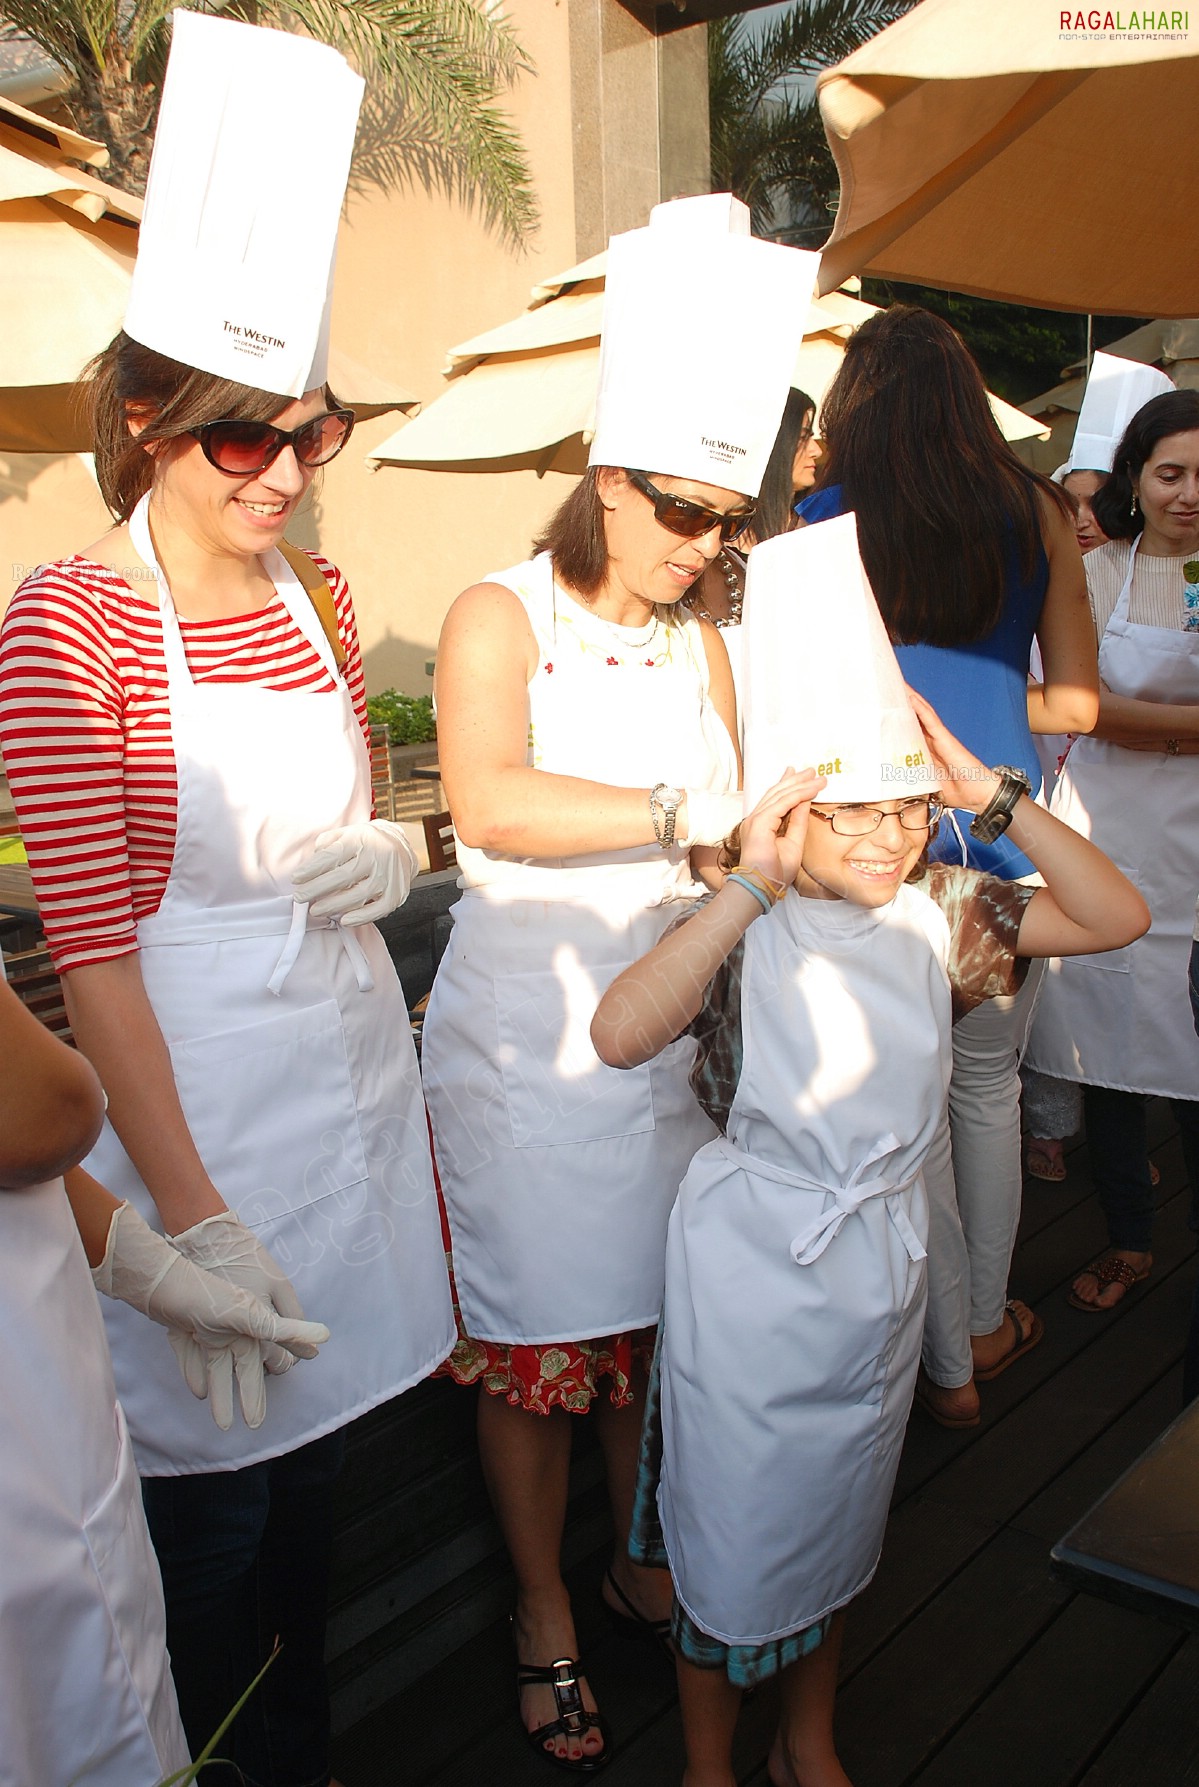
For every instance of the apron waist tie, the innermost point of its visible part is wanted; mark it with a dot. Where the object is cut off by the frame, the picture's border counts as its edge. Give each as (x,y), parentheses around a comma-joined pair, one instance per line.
(350,943)
(810,1242)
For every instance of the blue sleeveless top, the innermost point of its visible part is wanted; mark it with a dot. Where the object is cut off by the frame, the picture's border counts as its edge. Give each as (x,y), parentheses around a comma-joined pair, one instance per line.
(980,691)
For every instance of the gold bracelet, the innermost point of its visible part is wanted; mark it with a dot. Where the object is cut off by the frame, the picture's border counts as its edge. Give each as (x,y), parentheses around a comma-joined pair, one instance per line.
(771,890)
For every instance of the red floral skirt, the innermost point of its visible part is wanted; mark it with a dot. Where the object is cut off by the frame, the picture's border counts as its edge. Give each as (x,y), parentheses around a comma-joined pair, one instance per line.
(562,1374)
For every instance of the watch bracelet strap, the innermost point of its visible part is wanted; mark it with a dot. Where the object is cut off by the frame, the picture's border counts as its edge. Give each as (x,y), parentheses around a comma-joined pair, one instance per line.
(996,816)
(663,832)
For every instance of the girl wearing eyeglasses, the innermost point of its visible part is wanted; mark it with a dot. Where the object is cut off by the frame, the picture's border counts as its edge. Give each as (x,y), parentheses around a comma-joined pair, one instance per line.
(820,983)
(184,729)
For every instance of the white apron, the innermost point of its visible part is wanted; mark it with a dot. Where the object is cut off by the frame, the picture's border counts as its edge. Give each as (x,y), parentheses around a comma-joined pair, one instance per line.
(795,1277)
(1123,1019)
(558,1172)
(85,1687)
(294,1062)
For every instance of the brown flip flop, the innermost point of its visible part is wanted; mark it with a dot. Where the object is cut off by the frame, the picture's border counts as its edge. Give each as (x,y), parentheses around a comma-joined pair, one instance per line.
(1022,1344)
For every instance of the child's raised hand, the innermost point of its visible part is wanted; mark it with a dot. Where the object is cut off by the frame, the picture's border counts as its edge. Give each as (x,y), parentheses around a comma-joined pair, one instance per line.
(965,781)
(772,836)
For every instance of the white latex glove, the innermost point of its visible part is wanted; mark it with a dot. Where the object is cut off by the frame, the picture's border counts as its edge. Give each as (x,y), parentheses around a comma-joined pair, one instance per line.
(357,874)
(711,817)
(224,1245)
(216,1330)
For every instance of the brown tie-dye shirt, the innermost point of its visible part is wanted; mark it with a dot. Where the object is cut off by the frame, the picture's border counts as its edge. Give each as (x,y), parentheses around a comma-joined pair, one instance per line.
(983,914)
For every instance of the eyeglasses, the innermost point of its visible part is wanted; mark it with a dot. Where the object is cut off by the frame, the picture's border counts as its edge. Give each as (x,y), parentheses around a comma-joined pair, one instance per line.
(859,822)
(687,518)
(241,449)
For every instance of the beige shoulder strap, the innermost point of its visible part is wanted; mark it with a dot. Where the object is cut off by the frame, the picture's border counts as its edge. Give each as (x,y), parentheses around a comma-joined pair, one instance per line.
(319,594)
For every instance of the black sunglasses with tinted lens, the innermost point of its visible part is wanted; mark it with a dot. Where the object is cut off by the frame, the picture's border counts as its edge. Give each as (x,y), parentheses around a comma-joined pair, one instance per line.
(241,449)
(687,518)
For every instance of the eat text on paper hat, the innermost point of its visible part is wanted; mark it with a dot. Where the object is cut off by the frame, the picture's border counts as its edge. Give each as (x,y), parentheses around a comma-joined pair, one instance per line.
(822,685)
(1116,390)
(234,270)
(702,323)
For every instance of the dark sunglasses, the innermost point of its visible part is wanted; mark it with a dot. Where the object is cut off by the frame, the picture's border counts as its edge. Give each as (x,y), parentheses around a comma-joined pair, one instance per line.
(241,449)
(687,518)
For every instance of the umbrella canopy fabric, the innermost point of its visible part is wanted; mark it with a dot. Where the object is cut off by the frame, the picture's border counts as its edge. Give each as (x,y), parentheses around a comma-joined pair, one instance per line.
(987,148)
(522,396)
(69,242)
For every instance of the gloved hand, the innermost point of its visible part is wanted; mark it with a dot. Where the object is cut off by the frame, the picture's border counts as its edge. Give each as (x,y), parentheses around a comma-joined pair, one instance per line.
(224,1245)
(217,1331)
(711,817)
(357,873)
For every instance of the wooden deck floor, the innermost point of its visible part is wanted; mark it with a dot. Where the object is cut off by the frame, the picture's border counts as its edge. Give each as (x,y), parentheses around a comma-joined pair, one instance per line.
(965,1665)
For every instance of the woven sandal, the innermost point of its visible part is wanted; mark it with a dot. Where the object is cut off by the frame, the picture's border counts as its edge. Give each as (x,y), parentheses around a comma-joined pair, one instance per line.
(1109,1268)
(563,1676)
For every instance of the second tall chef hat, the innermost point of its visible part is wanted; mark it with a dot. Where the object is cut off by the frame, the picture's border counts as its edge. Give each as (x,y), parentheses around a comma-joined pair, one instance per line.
(234,270)
(822,685)
(702,322)
(1116,390)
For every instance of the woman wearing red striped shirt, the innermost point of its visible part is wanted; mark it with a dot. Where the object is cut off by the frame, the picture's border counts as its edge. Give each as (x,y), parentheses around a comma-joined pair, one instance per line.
(184,729)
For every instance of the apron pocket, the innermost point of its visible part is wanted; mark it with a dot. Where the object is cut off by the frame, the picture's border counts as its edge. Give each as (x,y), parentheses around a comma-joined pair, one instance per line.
(271,1109)
(556,1088)
(1113,961)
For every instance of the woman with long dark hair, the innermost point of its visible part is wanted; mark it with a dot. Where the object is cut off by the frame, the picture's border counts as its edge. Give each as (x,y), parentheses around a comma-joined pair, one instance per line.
(1126,1032)
(971,556)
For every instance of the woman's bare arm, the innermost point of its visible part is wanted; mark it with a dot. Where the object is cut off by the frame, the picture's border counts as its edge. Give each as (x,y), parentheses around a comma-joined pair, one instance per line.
(485,659)
(1068,698)
(51,1105)
(116,1029)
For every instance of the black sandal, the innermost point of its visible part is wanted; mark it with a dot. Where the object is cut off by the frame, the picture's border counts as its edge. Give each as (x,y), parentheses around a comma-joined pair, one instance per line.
(564,1676)
(631,1623)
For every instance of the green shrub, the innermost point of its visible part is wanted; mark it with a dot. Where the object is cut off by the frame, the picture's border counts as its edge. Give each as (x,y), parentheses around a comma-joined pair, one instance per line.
(408,718)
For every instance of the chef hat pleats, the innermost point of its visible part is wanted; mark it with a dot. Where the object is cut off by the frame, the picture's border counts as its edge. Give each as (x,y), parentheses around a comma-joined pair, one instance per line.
(1116,390)
(702,323)
(234,270)
(822,686)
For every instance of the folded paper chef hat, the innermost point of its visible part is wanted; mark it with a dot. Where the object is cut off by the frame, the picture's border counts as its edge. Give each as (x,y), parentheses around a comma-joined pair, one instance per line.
(1116,390)
(234,270)
(822,685)
(702,323)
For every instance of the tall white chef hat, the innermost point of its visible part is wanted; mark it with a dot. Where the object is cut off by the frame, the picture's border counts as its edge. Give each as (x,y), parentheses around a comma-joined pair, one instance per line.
(1116,390)
(702,323)
(234,270)
(822,685)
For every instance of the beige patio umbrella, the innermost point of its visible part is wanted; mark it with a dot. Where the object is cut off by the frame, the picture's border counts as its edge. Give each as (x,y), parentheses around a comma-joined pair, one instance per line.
(983,148)
(522,396)
(68,243)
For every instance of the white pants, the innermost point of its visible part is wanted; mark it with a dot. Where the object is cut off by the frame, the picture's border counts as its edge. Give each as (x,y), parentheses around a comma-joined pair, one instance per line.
(973,1179)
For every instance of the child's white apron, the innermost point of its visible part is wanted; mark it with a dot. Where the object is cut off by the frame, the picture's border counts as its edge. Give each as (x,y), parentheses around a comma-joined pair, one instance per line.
(795,1277)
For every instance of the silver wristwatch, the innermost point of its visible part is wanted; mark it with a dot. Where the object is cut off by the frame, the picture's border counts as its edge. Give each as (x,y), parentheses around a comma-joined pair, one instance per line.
(996,816)
(664,804)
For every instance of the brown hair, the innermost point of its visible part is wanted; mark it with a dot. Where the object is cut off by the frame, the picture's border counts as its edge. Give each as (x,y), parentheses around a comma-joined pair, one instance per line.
(574,534)
(127,380)
(943,504)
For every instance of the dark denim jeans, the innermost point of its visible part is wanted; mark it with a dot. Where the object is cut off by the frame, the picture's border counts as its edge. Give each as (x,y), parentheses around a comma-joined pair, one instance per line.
(245,1558)
(1117,1145)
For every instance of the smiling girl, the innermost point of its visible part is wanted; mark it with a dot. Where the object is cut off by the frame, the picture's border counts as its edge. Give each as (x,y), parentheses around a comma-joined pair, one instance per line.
(820,984)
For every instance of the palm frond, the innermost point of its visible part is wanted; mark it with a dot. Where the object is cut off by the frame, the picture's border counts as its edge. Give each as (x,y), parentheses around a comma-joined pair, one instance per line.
(768,143)
(447,60)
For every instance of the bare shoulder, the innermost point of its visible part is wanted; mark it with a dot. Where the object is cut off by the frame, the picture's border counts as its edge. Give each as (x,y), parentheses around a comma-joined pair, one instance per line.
(1057,527)
(487,620)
